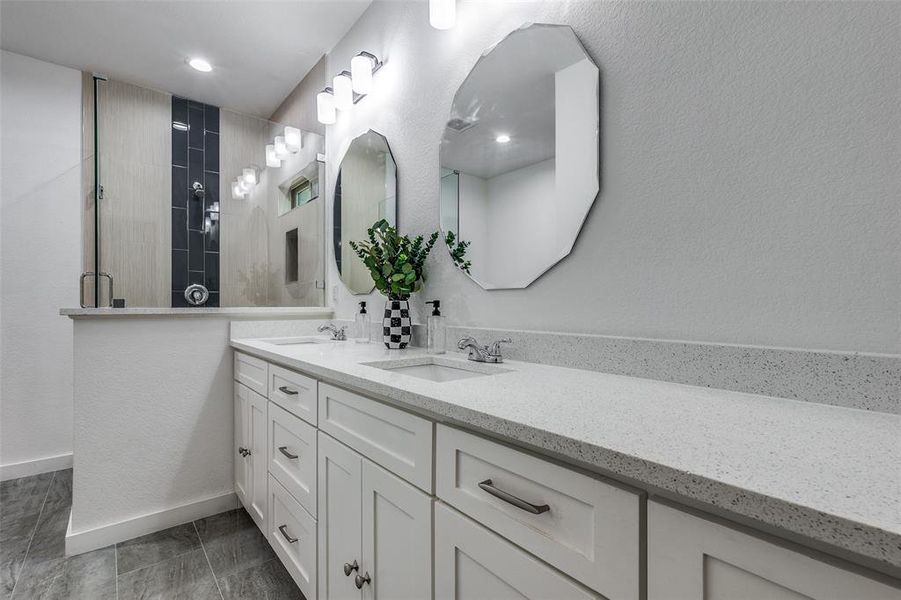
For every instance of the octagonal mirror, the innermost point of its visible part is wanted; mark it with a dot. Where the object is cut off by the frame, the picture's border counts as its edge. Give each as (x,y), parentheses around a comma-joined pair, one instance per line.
(365,192)
(519,155)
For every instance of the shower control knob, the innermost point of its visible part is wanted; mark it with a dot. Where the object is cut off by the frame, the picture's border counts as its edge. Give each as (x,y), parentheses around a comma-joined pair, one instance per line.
(196,294)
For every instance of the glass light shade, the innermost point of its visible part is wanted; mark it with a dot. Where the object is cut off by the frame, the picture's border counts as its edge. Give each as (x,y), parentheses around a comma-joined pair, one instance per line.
(245,187)
(344,92)
(442,13)
(292,139)
(281,148)
(361,74)
(237,190)
(325,108)
(250,176)
(271,159)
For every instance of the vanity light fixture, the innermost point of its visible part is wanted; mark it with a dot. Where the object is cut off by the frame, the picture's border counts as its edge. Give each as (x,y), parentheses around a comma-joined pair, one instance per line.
(344,91)
(362,66)
(442,13)
(293,140)
(238,192)
(325,107)
(502,138)
(271,159)
(250,176)
(281,148)
(200,64)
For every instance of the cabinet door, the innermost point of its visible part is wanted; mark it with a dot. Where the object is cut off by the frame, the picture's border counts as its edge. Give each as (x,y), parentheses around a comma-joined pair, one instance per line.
(690,558)
(258,477)
(397,538)
(242,463)
(472,563)
(339,518)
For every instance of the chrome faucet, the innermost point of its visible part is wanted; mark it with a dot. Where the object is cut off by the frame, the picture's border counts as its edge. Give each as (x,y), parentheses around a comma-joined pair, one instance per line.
(338,334)
(486,354)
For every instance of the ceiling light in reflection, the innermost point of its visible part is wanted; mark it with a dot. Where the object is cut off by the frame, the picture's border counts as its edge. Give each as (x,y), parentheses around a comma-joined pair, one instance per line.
(292,139)
(442,13)
(271,159)
(281,148)
(325,107)
(502,138)
(250,176)
(200,64)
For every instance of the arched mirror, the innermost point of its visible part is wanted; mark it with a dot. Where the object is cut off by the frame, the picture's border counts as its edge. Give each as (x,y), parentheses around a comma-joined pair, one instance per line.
(519,155)
(365,192)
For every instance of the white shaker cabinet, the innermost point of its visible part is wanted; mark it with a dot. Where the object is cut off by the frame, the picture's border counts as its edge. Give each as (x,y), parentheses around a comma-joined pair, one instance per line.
(375,533)
(472,563)
(251,457)
(691,558)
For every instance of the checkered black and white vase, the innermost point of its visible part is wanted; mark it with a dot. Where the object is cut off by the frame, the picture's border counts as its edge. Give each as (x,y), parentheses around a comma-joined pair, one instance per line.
(396,326)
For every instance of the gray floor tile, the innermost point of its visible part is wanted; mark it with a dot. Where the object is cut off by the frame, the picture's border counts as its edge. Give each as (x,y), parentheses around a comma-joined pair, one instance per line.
(184,577)
(12,555)
(88,576)
(156,547)
(269,581)
(14,489)
(233,542)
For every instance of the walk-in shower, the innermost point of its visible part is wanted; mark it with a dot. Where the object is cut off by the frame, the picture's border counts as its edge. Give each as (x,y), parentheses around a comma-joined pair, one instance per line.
(163,226)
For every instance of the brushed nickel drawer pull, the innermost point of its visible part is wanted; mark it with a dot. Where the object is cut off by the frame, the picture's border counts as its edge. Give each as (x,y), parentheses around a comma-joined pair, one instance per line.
(284,450)
(284,531)
(287,391)
(535,509)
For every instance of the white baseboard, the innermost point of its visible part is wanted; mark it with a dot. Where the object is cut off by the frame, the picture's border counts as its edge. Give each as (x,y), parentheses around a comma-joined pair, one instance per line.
(100,537)
(35,467)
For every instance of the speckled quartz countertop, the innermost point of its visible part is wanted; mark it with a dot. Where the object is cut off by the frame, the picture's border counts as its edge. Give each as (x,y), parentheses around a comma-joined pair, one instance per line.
(826,474)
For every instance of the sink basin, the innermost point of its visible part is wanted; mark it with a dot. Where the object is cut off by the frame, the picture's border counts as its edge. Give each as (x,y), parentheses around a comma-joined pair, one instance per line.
(437,369)
(290,341)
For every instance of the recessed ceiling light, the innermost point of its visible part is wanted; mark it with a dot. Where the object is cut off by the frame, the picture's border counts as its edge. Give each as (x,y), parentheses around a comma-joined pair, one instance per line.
(502,139)
(200,64)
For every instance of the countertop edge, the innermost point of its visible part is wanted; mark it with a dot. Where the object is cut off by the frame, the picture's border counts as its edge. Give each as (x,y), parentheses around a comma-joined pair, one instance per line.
(859,542)
(201,312)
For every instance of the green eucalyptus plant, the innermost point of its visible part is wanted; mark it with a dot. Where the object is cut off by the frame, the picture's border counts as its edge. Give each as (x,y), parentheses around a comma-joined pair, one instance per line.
(396,262)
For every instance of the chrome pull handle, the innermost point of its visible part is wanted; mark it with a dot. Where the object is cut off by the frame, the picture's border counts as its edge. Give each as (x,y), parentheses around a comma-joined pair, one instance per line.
(110,278)
(283,529)
(81,287)
(359,581)
(288,391)
(350,568)
(284,450)
(535,509)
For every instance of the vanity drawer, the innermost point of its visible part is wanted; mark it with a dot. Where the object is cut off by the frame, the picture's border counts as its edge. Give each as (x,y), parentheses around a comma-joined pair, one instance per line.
(251,371)
(294,392)
(585,527)
(292,455)
(397,440)
(292,534)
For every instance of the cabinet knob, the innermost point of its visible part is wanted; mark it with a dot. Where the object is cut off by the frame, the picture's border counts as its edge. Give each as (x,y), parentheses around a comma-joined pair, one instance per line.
(359,581)
(350,568)
(243,451)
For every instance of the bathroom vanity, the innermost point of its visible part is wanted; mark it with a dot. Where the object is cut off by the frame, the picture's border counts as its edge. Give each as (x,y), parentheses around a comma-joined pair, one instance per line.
(395,474)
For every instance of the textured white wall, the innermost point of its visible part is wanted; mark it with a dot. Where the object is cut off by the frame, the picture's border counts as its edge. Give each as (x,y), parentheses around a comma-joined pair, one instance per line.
(153,417)
(749,167)
(40,144)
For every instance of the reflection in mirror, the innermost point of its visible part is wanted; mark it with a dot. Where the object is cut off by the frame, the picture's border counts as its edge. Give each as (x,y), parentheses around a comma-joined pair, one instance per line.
(519,156)
(365,192)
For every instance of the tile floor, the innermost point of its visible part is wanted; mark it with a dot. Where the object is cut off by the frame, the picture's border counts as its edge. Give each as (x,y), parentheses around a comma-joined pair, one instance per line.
(223,557)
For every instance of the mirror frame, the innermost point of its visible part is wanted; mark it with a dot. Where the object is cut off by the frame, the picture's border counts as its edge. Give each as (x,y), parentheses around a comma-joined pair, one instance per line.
(334,244)
(597,174)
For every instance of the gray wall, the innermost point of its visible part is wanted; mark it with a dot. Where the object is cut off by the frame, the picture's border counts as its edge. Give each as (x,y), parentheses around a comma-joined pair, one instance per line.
(749,189)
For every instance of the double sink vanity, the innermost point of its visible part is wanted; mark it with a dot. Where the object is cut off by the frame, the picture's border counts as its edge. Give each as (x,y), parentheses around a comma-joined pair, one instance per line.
(391,474)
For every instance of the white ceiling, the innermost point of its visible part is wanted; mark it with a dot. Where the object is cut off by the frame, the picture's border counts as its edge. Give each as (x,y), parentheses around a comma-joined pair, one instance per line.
(259,49)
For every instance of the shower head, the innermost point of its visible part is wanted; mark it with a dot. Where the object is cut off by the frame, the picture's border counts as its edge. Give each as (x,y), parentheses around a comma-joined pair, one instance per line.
(199,192)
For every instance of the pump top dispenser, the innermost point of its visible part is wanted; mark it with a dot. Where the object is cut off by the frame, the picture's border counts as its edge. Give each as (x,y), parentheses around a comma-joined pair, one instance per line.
(437,330)
(362,325)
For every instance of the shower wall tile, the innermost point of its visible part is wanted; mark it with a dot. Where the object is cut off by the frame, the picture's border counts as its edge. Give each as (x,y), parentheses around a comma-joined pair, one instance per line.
(211,152)
(199,262)
(179,229)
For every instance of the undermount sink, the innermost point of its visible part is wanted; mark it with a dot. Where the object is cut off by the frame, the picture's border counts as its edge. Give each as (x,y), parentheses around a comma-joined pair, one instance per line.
(437,369)
(290,341)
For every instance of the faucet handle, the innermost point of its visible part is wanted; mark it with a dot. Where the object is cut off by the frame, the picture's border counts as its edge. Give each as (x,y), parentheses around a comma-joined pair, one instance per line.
(341,334)
(495,348)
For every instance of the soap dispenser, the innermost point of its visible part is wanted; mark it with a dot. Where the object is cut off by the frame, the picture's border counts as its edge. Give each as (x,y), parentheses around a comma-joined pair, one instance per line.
(437,334)
(362,329)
